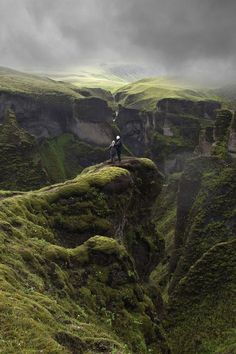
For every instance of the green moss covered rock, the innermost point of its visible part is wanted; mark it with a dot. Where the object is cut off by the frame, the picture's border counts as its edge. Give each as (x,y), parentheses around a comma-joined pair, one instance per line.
(202,266)
(64,289)
(21,165)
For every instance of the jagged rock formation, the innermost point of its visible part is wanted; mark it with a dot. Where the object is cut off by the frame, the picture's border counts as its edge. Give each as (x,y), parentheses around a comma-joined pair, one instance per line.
(72,133)
(197,275)
(204,109)
(206,140)
(168,135)
(169,139)
(65,156)
(21,166)
(83,263)
(66,290)
(46,117)
(221,133)
(202,266)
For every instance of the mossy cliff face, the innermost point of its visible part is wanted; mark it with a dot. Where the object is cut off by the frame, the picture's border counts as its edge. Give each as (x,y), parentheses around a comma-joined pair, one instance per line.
(168,137)
(202,306)
(21,165)
(201,275)
(65,156)
(66,290)
(222,134)
(113,209)
(164,214)
(205,109)
(196,214)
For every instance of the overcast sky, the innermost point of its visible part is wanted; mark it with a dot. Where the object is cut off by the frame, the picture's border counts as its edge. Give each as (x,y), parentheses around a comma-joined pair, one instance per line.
(196,37)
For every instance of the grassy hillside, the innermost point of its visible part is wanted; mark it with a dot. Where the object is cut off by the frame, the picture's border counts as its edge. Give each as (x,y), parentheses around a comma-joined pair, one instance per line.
(145,93)
(106,82)
(92,77)
(17,82)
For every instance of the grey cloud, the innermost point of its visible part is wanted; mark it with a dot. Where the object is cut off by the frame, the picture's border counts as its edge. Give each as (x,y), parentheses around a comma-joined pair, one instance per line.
(180,36)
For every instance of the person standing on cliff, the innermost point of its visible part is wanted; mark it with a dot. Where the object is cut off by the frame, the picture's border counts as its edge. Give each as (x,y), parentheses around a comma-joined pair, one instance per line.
(113,151)
(118,146)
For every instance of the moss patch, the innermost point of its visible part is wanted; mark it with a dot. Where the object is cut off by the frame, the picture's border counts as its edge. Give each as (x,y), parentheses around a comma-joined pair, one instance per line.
(21,165)
(54,297)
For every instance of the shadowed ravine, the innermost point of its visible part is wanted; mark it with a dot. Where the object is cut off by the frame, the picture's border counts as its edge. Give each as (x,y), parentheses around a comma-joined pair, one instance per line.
(132,257)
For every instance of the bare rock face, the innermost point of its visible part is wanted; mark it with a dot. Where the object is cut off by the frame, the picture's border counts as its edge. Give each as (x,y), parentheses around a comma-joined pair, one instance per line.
(92,121)
(205,109)
(135,127)
(169,139)
(45,117)
(42,117)
(205,142)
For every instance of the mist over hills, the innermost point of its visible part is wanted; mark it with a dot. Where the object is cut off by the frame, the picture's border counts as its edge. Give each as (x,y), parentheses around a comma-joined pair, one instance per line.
(129,83)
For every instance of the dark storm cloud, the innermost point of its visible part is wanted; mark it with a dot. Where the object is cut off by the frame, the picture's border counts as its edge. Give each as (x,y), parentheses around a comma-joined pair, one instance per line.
(193,36)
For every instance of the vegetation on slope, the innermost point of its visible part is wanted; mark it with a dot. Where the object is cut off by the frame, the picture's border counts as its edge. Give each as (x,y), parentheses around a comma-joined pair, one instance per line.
(65,156)
(21,165)
(92,77)
(196,213)
(145,93)
(16,82)
(40,86)
(83,296)
(202,289)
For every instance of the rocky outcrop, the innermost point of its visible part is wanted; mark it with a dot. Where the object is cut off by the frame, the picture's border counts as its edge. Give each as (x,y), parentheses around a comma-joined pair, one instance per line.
(20,161)
(44,117)
(40,116)
(71,133)
(168,136)
(221,134)
(139,180)
(73,290)
(136,127)
(169,139)
(189,187)
(201,267)
(206,140)
(92,121)
(203,109)
(218,139)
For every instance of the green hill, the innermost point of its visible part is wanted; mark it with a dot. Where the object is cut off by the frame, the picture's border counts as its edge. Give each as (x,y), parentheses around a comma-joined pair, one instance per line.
(16,82)
(145,93)
(13,81)
(92,77)
(103,83)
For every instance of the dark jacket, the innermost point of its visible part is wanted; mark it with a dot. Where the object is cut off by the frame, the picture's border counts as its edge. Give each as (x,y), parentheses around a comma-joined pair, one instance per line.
(118,146)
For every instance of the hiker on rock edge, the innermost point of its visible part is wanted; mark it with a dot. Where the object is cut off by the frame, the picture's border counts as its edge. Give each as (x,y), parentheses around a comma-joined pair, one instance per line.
(118,146)
(113,151)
